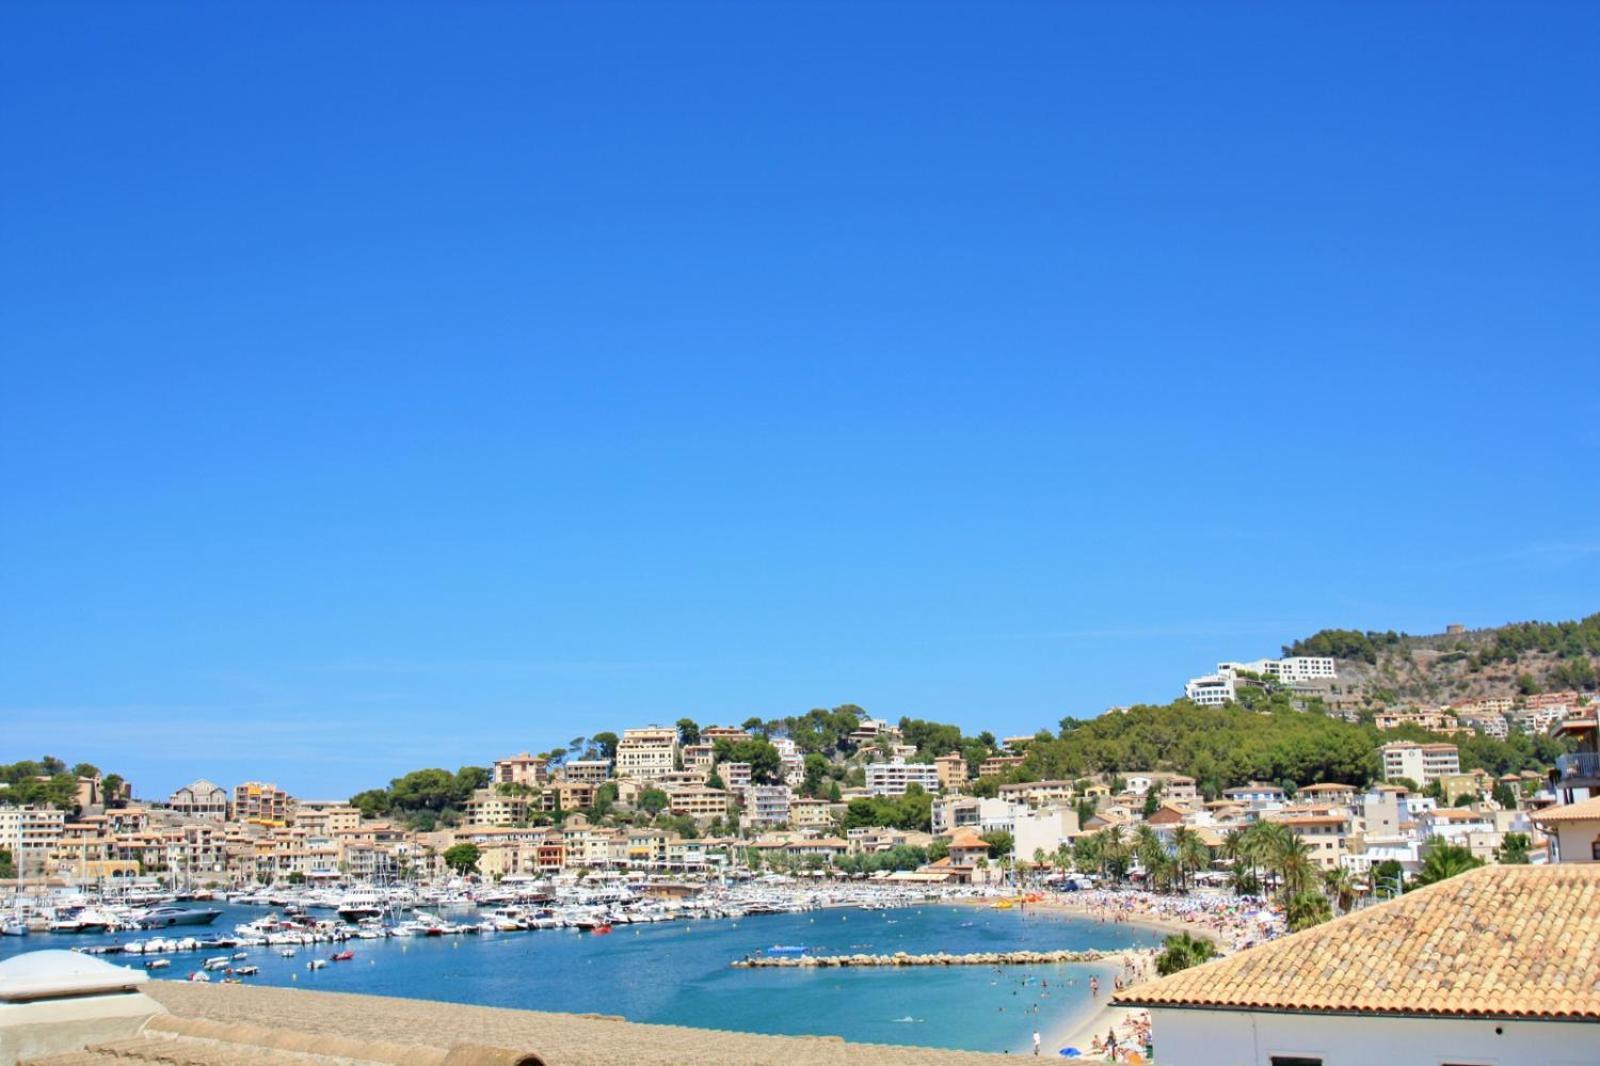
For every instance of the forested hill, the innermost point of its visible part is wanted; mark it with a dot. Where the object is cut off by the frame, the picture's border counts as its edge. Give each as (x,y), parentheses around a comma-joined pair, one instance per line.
(1263,738)
(1519,659)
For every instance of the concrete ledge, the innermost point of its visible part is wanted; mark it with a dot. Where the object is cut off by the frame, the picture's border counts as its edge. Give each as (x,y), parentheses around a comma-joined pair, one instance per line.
(39,1028)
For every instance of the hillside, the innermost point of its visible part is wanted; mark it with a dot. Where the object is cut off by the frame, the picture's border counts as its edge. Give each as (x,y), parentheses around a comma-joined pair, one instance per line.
(1518,659)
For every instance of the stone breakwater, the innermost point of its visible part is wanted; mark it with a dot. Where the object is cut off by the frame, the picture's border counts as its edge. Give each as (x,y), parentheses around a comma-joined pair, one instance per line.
(900,958)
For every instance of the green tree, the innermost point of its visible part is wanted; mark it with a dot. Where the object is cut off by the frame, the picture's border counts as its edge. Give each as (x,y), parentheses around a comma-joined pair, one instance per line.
(462,858)
(605,744)
(652,800)
(1189,853)
(1341,889)
(1000,842)
(1514,849)
(766,765)
(1444,861)
(1307,909)
(688,731)
(297,878)
(1183,950)
(1388,877)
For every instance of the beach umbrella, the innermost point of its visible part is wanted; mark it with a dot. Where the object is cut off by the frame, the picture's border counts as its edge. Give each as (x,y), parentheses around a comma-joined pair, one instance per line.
(1070,1052)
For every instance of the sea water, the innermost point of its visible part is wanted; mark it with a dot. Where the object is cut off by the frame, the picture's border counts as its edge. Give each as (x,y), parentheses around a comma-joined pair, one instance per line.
(678,973)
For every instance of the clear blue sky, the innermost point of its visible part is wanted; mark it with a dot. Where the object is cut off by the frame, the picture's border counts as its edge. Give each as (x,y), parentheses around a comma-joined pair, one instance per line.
(397,385)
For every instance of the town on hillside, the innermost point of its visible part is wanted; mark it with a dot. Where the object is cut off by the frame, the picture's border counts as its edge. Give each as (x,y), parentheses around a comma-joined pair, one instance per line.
(1161,797)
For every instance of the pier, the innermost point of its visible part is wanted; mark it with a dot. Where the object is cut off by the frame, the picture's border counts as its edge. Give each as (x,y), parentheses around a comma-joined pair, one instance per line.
(901,958)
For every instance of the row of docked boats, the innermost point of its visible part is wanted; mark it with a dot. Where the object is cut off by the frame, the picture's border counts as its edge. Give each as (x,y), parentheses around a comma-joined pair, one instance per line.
(380,912)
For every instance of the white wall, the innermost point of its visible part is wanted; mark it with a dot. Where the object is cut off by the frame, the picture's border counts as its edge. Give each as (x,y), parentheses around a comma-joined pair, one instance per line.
(1575,843)
(1237,1038)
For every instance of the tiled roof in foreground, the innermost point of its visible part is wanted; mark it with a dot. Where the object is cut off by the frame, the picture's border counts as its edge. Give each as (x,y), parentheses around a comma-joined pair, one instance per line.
(1496,942)
(1582,811)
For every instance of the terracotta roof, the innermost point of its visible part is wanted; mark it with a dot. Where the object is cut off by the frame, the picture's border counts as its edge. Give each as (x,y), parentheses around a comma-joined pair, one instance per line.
(966,840)
(1583,811)
(1496,942)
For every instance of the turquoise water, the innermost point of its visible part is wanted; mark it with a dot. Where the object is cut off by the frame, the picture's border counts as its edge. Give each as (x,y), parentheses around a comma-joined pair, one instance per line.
(677,973)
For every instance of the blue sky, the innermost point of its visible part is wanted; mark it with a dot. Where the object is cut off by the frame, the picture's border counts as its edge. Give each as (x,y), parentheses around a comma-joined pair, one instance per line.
(399,385)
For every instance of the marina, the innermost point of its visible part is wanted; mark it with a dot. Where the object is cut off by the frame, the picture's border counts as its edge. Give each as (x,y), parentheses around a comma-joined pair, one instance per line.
(671,963)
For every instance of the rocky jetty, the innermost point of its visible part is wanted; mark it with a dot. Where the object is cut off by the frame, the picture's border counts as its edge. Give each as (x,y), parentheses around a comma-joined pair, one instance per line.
(900,958)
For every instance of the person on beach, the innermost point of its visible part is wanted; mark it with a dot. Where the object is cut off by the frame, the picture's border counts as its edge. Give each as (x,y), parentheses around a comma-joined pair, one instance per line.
(1094,988)
(1036,1043)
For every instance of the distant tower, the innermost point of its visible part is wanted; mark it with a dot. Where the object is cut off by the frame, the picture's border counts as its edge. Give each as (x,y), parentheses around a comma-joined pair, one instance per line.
(1454,629)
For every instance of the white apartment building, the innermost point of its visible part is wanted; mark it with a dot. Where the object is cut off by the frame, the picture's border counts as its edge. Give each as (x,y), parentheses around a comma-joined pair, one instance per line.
(647,753)
(1490,725)
(767,804)
(892,778)
(1212,690)
(1296,670)
(1043,830)
(1421,763)
(794,763)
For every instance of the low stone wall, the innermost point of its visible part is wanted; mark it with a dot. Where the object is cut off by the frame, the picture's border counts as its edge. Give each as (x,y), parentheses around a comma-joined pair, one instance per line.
(982,958)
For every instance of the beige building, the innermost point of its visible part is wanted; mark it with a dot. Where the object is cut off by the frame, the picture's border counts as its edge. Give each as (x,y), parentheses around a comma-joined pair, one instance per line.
(490,806)
(1326,836)
(811,814)
(997,765)
(201,799)
(952,770)
(699,801)
(1038,793)
(31,834)
(532,771)
(647,753)
(266,804)
(586,771)
(700,757)
(326,817)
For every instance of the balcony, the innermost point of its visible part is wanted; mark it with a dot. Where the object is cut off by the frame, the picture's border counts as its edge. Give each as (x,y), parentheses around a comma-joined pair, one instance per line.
(1579,770)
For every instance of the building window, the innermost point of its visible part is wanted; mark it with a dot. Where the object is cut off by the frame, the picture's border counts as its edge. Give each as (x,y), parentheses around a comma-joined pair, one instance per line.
(1594,850)
(1295,1060)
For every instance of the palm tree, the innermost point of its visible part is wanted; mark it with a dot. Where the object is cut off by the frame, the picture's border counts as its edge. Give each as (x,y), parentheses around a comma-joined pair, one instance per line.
(1162,873)
(1148,847)
(1341,889)
(1113,852)
(1183,950)
(1445,861)
(1307,909)
(1191,853)
(1063,857)
(1295,868)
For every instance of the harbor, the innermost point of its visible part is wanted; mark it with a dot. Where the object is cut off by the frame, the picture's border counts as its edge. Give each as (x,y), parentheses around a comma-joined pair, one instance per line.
(668,962)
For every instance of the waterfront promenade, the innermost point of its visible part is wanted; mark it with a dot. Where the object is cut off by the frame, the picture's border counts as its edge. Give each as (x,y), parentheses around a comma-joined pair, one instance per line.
(559,1039)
